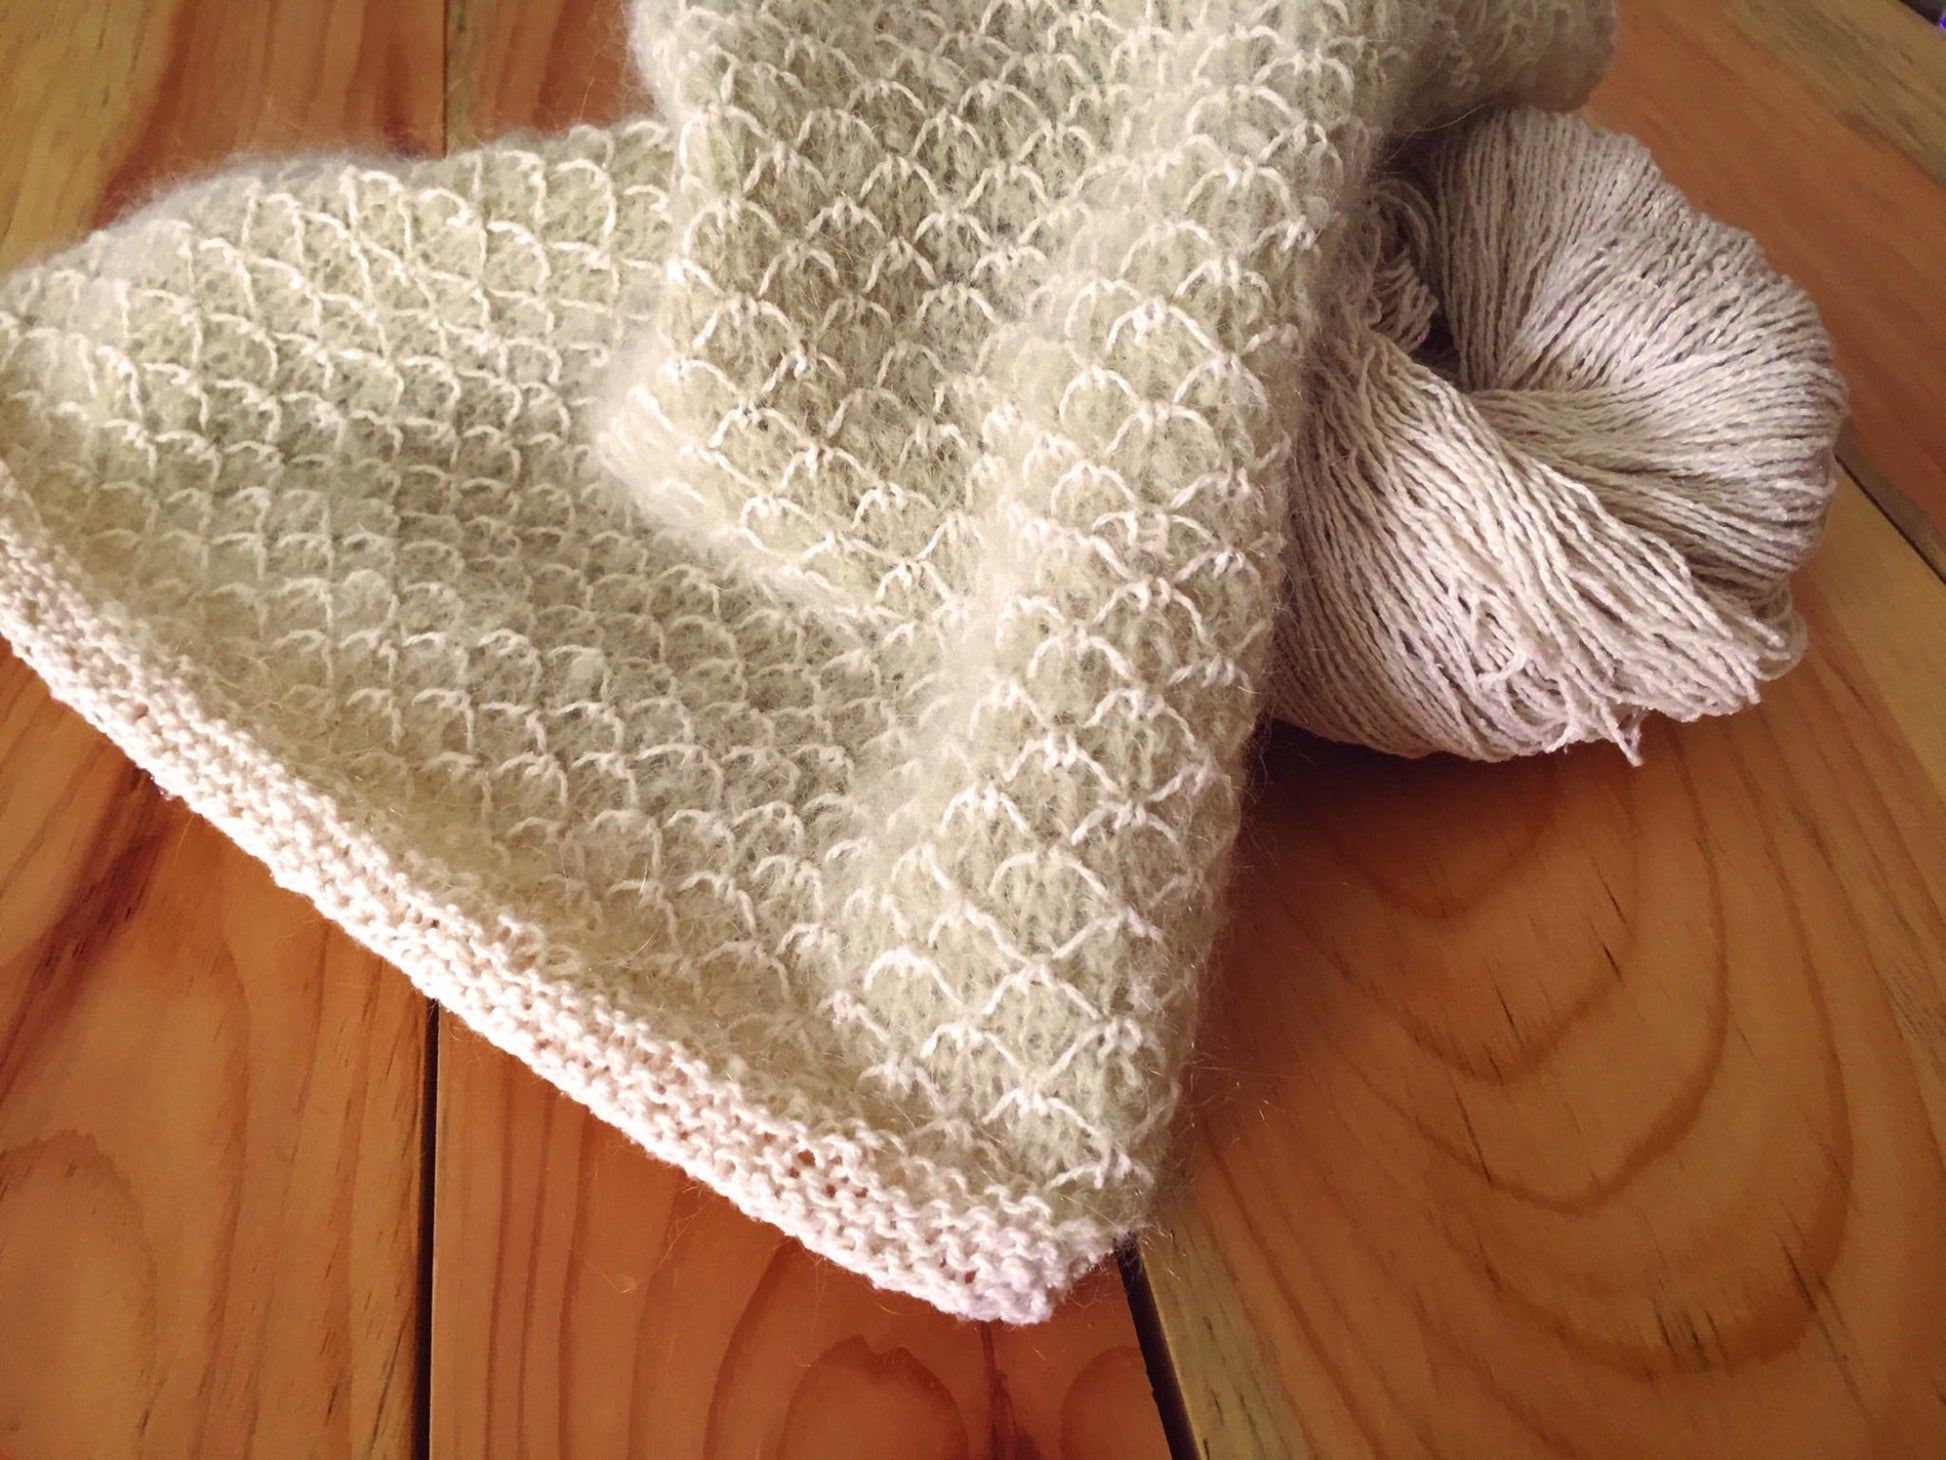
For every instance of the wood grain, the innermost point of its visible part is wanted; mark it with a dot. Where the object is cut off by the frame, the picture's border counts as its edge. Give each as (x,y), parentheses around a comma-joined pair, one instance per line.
(210,1102)
(104,100)
(1558,1108)
(1881,67)
(1882,624)
(209,1132)
(1754,139)
(1546,1109)
(1921,534)
(588,1301)
(535,63)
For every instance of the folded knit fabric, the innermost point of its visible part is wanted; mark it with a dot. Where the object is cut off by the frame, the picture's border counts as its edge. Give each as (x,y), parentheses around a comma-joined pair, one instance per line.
(758,613)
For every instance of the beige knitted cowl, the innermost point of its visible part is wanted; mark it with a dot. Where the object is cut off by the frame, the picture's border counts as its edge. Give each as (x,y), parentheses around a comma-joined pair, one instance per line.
(759,609)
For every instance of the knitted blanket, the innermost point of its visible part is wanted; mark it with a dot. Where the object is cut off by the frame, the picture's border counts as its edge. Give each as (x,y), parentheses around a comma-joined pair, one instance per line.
(757,610)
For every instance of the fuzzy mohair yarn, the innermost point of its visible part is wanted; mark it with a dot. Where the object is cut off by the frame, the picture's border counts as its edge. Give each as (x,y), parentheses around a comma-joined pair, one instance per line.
(1561,456)
(759,609)
(981,344)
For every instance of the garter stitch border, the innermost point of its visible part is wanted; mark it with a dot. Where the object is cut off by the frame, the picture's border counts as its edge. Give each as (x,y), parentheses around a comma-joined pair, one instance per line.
(485,968)
(297,503)
(173,684)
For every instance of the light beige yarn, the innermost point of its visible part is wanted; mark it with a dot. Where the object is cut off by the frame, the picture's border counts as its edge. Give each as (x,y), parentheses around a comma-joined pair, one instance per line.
(1581,504)
(759,613)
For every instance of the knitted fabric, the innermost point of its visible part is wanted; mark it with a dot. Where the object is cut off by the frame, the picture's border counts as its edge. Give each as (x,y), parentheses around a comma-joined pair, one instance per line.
(830,780)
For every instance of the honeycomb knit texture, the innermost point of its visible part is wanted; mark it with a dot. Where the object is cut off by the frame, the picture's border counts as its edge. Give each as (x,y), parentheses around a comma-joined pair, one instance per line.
(759,610)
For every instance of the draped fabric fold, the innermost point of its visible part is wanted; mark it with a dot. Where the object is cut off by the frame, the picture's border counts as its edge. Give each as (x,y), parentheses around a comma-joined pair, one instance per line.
(759,608)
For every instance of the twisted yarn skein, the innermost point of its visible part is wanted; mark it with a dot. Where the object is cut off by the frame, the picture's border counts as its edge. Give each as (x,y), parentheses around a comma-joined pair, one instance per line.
(1562,454)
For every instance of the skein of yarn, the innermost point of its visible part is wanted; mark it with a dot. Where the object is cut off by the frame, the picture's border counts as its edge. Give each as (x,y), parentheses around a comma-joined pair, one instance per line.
(1560,460)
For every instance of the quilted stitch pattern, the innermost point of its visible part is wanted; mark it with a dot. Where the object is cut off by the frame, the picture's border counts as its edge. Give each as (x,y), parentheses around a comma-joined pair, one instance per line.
(841,809)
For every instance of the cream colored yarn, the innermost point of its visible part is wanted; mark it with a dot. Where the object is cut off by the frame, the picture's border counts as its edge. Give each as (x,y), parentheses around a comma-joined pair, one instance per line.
(981,344)
(759,613)
(1582,504)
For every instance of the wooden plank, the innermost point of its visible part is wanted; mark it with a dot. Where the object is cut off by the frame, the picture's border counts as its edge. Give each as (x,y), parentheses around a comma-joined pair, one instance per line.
(210,1102)
(1904,659)
(1881,67)
(210,1141)
(535,63)
(1920,532)
(1749,130)
(588,1301)
(106,99)
(1563,1108)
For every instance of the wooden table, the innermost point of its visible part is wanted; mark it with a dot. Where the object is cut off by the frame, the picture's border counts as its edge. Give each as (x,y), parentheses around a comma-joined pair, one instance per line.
(1544,1109)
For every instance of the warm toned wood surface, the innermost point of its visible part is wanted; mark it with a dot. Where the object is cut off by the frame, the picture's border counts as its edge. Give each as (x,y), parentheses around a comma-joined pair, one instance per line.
(209,1132)
(100,100)
(1552,1109)
(1880,66)
(534,63)
(210,1101)
(1759,132)
(589,1302)
(1559,1108)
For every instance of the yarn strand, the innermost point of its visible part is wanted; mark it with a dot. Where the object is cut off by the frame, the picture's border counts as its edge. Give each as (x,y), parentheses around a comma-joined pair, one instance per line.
(1561,457)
